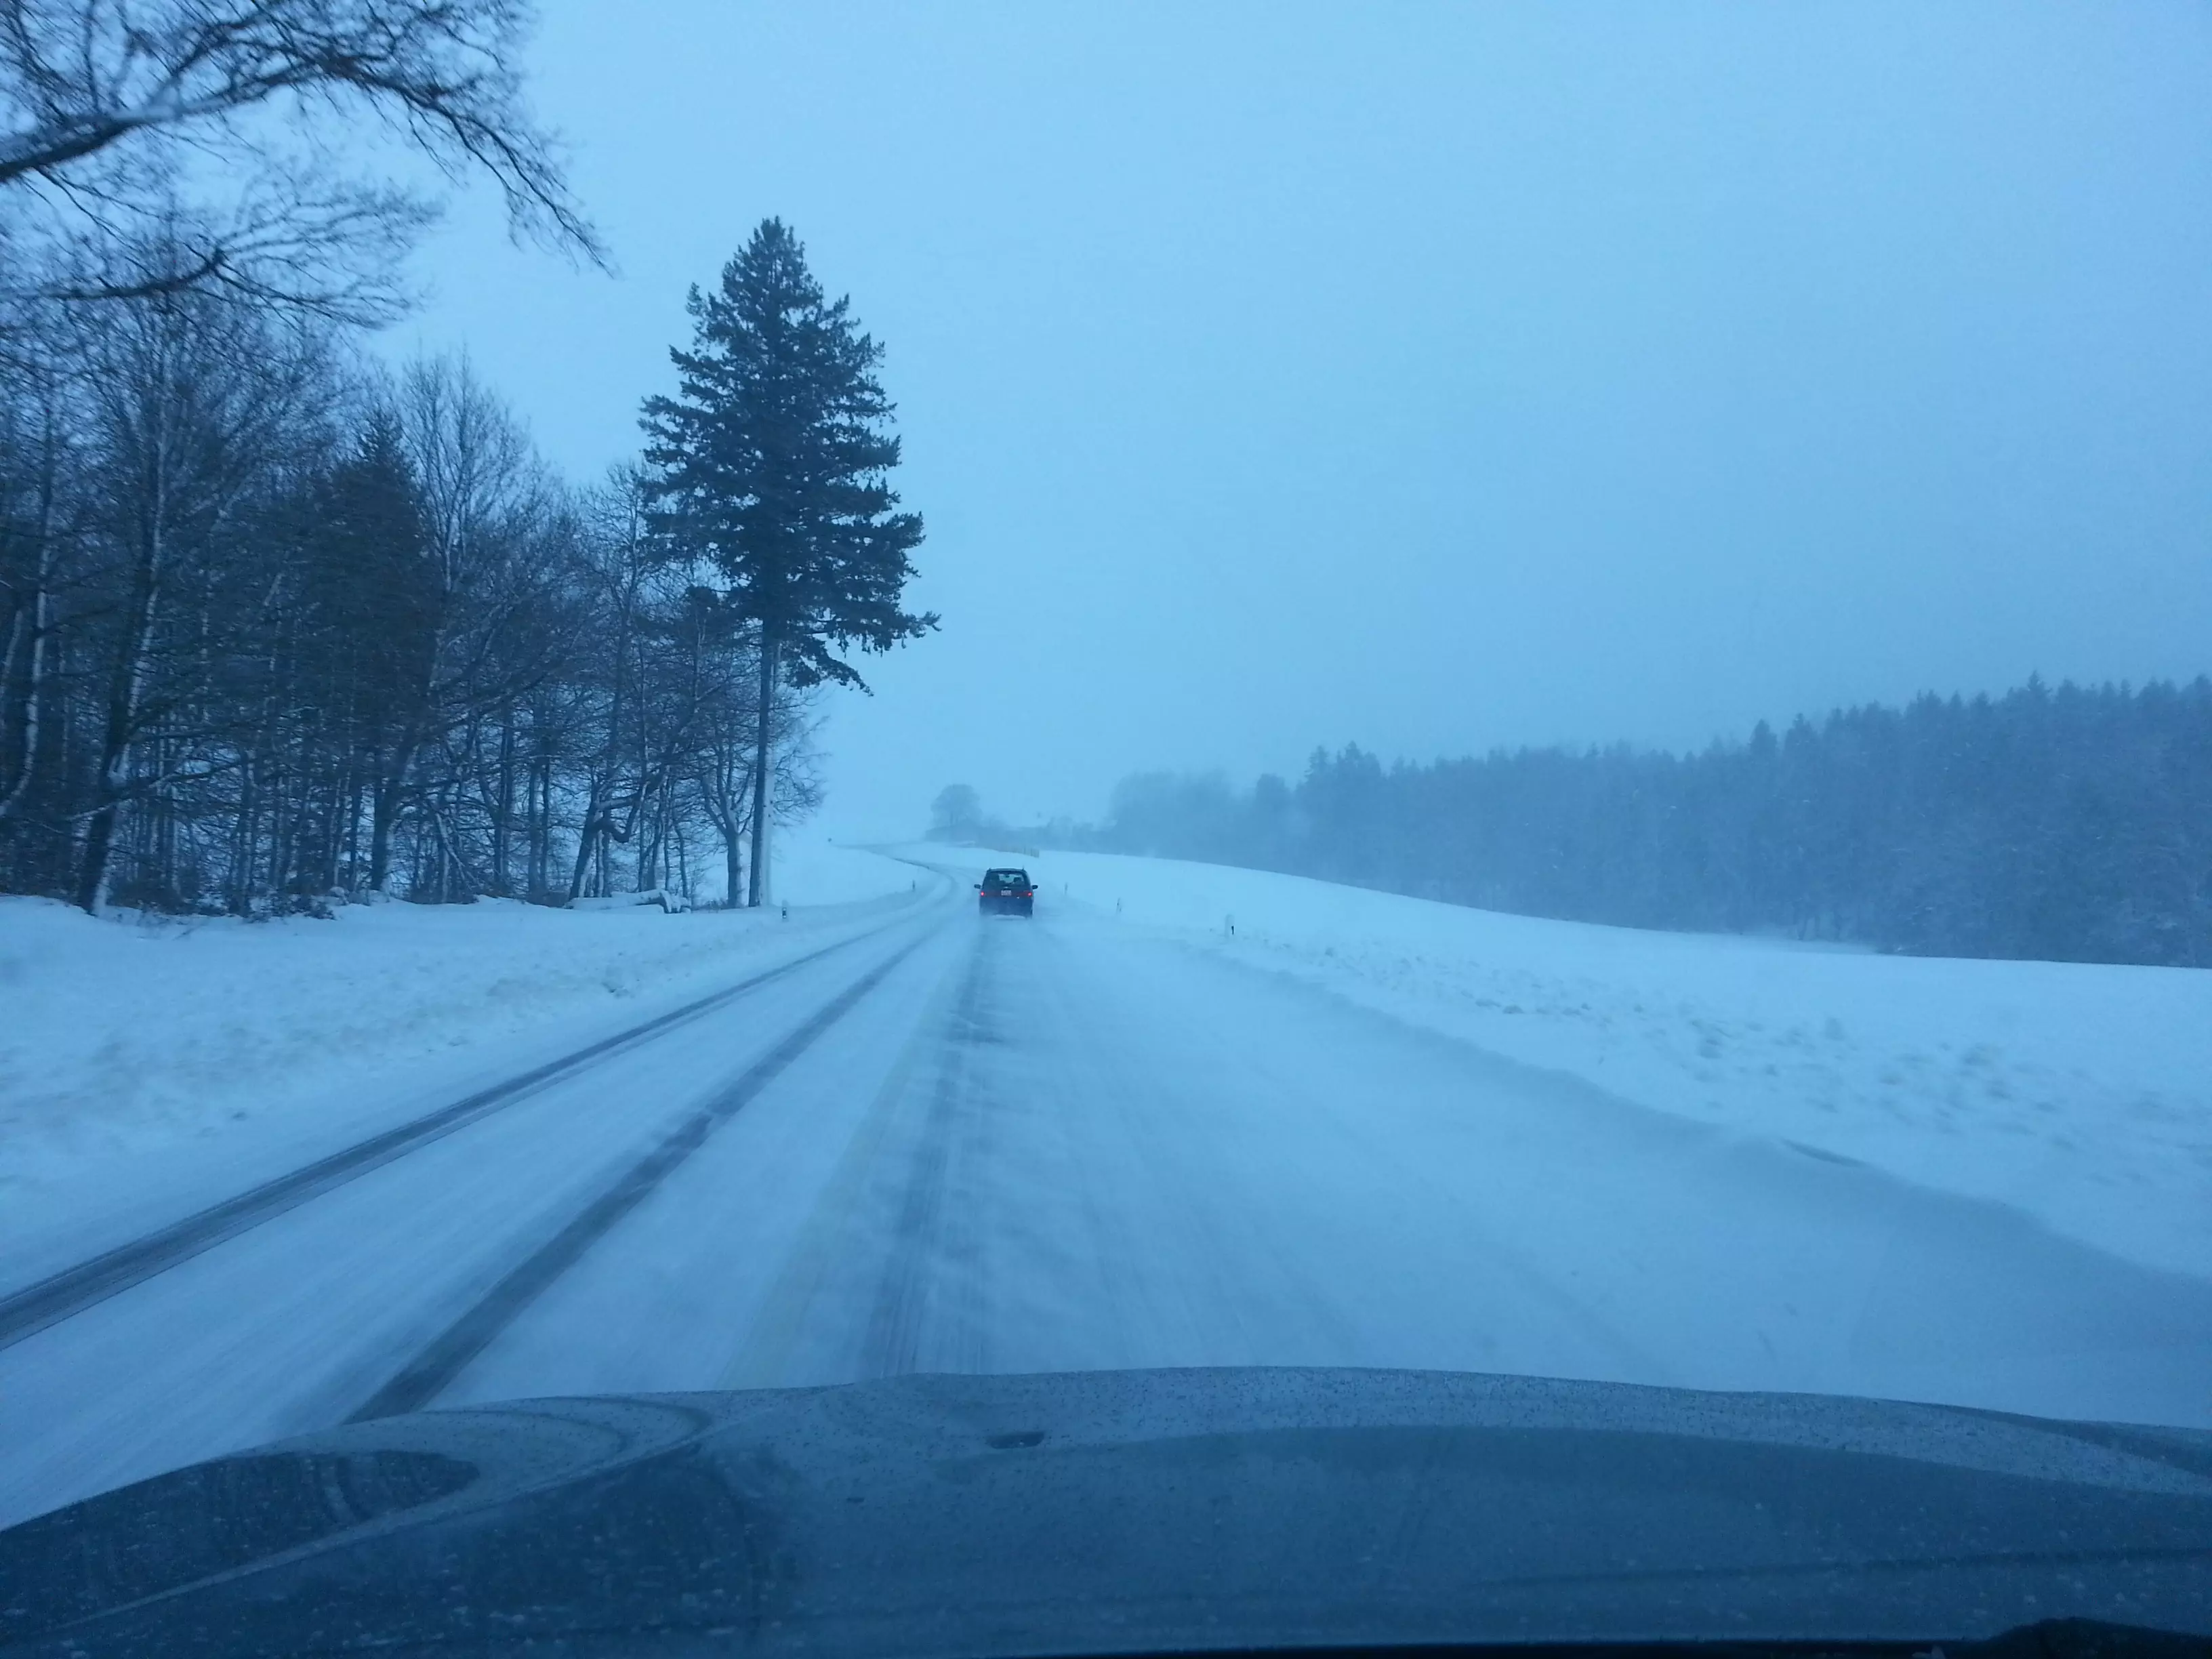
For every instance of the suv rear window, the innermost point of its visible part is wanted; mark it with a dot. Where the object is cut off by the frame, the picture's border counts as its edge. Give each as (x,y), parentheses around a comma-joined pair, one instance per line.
(1005,878)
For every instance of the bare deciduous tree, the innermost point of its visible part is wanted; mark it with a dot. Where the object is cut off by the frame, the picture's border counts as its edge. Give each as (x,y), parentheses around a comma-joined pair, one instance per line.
(113,111)
(189,405)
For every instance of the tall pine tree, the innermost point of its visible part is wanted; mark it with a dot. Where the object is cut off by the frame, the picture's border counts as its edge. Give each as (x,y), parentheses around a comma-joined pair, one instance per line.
(772,462)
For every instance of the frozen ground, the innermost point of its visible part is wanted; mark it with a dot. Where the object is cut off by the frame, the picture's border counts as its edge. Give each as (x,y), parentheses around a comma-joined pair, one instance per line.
(2081,1094)
(913,1139)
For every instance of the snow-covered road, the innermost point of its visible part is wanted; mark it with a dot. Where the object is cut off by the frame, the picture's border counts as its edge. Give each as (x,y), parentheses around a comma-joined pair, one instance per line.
(962,1145)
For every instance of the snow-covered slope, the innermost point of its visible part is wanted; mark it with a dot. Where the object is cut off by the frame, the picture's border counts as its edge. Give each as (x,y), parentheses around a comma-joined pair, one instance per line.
(122,1037)
(2081,1094)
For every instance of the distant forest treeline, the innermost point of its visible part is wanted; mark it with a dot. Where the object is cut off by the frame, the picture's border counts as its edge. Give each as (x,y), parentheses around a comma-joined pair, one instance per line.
(2073,824)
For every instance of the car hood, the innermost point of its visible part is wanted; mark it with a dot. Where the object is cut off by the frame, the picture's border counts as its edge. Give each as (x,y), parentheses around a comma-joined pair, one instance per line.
(1124,1512)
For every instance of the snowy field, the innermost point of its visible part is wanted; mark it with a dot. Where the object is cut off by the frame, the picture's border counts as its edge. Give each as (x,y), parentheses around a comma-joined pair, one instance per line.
(2081,1095)
(128,1047)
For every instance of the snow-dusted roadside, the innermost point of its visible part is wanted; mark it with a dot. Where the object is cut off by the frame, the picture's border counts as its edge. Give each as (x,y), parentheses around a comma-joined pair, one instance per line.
(2081,1094)
(218,1046)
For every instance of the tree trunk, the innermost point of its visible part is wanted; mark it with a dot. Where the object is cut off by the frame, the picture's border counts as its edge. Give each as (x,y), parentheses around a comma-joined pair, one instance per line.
(585,839)
(126,686)
(384,815)
(756,894)
(34,630)
(541,826)
(23,741)
(502,827)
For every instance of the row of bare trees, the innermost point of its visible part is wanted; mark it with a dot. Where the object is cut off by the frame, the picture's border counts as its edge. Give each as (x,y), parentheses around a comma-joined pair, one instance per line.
(274,626)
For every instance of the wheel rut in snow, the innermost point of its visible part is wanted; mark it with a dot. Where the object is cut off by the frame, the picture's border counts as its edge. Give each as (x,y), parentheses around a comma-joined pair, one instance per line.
(71,1292)
(927,1312)
(431,1371)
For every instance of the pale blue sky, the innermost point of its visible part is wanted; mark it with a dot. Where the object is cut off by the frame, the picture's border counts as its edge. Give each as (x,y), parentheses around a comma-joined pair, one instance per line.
(1429,376)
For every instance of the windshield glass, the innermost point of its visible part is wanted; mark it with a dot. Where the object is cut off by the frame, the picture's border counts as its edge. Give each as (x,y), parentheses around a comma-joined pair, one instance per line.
(1591,624)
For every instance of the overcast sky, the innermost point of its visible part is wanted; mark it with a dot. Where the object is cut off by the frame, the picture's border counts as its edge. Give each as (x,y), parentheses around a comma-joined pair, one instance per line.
(1433,377)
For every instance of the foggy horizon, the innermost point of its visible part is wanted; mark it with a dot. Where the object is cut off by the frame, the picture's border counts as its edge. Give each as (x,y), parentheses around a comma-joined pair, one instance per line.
(1270,379)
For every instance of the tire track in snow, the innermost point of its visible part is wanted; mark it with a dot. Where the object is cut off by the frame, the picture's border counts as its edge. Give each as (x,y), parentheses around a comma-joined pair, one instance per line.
(926,1238)
(431,1371)
(840,1216)
(62,1295)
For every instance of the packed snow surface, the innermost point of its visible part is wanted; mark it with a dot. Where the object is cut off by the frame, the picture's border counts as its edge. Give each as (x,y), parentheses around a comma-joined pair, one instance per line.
(2081,1094)
(1182,1117)
(121,1038)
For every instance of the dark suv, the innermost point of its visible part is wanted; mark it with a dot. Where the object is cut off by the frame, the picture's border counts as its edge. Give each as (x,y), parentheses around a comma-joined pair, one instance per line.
(1006,893)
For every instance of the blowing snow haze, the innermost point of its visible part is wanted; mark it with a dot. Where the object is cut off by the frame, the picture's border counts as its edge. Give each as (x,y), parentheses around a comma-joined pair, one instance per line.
(1434,378)
(1516,952)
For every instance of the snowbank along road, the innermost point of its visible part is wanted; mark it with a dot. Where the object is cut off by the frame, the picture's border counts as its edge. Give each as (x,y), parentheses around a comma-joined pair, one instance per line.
(951,1143)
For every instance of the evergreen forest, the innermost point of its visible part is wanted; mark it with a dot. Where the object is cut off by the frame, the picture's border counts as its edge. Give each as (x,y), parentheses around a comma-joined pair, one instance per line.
(2070,824)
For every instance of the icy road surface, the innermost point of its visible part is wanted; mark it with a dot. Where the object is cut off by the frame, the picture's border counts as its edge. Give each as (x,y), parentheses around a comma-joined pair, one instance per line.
(958,1145)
